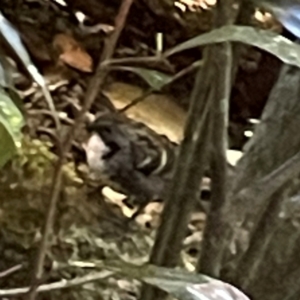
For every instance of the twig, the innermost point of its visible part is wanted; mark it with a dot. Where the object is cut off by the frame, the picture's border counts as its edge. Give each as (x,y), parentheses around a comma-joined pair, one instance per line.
(136,101)
(91,94)
(50,132)
(51,105)
(63,284)
(155,61)
(177,76)
(46,112)
(10,271)
(130,60)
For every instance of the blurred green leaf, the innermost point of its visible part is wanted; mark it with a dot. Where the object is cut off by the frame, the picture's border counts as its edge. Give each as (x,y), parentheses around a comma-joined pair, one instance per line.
(181,284)
(7,148)
(6,80)
(3,81)
(12,38)
(6,71)
(11,122)
(156,80)
(284,49)
(15,97)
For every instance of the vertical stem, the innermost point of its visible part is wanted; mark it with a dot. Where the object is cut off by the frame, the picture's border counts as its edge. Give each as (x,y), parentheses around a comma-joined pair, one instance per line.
(189,170)
(210,262)
(91,94)
(211,256)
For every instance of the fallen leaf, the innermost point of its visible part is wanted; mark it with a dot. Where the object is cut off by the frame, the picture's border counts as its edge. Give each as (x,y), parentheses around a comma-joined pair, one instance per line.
(72,53)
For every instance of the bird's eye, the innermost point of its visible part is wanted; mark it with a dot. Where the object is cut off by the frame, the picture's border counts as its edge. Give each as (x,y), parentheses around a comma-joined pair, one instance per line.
(113,147)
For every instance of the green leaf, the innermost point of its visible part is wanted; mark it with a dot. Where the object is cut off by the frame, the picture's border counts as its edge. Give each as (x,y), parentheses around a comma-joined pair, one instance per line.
(12,38)
(6,80)
(7,148)
(156,80)
(284,49)
(15,97)
(6,71)
(11,122)
(3,81)
(181,284)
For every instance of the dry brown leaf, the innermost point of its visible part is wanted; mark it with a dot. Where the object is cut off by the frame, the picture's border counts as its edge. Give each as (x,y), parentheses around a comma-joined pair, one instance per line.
(72,53)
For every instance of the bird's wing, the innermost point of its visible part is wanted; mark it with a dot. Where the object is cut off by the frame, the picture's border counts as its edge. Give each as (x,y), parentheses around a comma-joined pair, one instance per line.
(154,154)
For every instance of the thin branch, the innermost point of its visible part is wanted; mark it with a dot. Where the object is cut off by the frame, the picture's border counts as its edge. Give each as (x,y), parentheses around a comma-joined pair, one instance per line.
(52,108)
(153,62)
(136,101)
(177,76)
(132,60)
(10,271)
(63,284)
(92,91)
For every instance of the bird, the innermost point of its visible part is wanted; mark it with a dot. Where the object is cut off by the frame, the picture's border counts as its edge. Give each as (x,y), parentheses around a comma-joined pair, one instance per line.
(136,161)
(286,11)
(131,158)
